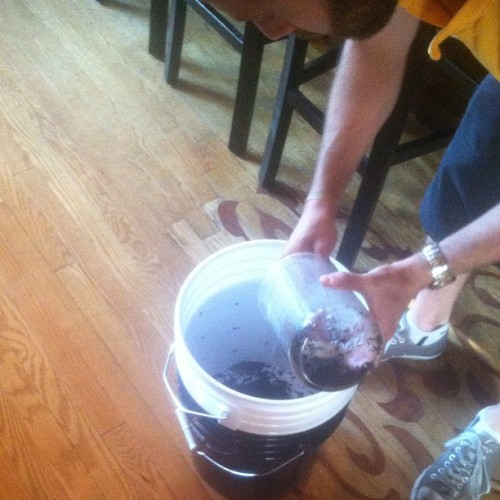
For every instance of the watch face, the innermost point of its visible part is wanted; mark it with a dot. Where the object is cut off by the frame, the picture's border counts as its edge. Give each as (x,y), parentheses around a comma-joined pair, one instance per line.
(441,274)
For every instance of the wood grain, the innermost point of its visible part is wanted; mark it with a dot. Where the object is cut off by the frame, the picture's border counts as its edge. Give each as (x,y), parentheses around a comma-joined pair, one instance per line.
(113,186)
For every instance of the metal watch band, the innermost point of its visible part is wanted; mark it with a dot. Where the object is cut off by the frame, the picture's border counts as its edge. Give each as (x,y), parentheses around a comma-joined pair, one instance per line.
(441,274)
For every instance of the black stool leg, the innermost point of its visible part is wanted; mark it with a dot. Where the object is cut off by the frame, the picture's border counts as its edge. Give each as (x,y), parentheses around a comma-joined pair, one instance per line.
(290,78)
(382,155)
(175,38)
(250,65)
(374,173)
(158,28)
(372,183)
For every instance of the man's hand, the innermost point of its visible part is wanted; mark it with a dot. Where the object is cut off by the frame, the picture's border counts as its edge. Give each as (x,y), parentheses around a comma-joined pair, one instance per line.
(315,231)
(387,289)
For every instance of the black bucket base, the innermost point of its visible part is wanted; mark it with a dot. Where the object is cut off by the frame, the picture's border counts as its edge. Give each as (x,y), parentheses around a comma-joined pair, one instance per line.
(240,465)
(262,487)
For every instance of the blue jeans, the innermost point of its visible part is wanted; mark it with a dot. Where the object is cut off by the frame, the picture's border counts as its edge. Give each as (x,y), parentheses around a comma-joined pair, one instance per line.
(467,182)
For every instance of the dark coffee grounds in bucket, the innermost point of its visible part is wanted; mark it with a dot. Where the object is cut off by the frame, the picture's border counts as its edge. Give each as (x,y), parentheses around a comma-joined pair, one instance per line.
(263,380)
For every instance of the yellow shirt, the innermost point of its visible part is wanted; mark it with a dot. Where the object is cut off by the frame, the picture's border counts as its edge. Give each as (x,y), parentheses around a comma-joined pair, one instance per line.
(476,23)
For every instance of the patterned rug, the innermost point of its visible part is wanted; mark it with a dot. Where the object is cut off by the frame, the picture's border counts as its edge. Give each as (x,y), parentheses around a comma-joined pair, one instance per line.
(403,412)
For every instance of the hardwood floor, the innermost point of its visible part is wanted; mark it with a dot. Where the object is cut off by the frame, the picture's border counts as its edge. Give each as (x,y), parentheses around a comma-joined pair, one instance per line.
(113,186)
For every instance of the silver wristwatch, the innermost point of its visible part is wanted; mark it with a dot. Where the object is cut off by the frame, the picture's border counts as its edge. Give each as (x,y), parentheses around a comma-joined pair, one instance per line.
(441,274)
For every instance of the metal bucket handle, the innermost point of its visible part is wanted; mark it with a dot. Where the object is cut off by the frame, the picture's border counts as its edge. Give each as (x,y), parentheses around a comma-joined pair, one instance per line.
(193,447)
(177,401)
(250,474)
(181,412)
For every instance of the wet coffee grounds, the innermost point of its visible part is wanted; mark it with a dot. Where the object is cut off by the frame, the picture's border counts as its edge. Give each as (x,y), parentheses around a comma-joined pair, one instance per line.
(263,380)
(332,354)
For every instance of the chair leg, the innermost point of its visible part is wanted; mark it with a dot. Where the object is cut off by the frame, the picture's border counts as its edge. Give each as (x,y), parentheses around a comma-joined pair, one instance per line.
(174,40)
(381,157)
(290,79)
(248,79)
(375,171)
(367,196)
(158,28)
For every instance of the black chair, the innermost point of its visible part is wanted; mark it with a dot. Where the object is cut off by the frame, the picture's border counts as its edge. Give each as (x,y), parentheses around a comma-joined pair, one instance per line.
(249,43)
(386,150)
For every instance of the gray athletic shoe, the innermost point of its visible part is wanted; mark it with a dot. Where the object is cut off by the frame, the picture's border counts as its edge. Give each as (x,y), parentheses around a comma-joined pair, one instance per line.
(401,346)
(463,471)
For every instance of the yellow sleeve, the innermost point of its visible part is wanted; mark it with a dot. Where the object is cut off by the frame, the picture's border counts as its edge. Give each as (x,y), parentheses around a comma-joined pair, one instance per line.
(476,24)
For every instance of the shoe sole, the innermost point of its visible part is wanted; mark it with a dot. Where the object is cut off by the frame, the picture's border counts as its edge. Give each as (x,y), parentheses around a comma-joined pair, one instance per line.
(412,357)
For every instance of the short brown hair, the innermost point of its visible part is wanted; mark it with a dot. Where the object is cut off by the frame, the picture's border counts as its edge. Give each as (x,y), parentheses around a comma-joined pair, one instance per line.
(360,18)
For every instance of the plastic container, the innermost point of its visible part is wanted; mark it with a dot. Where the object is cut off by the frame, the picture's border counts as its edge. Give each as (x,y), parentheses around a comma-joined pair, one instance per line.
(222,340)
(328,335)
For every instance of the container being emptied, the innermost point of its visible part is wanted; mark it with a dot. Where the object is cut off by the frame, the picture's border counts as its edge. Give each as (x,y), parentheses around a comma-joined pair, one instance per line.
(328,335)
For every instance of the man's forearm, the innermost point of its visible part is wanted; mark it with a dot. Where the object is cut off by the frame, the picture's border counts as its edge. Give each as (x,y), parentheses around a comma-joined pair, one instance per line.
(475,245)
(364,91)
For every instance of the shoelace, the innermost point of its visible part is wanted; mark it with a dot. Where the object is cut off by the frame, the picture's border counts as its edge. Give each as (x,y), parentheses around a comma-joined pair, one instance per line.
(466,456)
(397,337)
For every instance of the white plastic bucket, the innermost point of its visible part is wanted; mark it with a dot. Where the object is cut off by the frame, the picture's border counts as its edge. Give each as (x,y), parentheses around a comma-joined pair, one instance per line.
(234,410)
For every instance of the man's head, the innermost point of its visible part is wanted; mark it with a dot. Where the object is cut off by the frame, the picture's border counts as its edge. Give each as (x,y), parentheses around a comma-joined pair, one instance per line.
(359,18)
(336,18)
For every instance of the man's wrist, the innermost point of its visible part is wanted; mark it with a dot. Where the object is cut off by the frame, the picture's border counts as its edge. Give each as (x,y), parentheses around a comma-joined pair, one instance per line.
(321,203)
(415,272)
(317,195)
(439,267)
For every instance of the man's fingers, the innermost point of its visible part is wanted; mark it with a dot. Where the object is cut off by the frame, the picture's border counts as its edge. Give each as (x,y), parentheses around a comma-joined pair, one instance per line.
(346,281)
